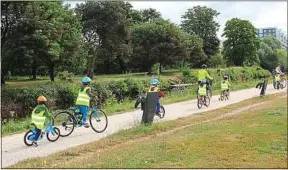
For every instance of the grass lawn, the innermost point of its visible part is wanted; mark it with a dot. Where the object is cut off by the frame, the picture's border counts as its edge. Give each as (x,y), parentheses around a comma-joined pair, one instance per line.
(18,126)
(101,79)
(254,138)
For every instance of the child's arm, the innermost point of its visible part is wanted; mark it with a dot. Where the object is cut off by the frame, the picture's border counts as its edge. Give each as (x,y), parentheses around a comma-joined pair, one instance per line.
(47,114)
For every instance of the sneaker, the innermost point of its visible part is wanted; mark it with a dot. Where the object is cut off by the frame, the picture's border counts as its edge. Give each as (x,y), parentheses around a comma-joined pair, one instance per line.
(86,125)
(35,143)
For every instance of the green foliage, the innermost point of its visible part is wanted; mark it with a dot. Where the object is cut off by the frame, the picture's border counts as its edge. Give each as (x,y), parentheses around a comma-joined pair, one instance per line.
(217,61)
(65,75)
(241,45)
(282,58)
(188,76)
(201,21)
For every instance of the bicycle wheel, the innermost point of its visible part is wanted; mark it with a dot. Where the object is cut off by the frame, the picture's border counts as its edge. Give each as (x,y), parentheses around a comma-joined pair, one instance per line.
(66,123)
(207,101)
(199,103)
(209,93)
(98,121)
(53,137)
(227,95)
(28,138)
(283,82)
(162,112)
(138,101)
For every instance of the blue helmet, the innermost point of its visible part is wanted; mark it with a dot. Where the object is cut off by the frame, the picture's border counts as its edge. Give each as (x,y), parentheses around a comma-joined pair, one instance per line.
(86,80)
(155,81)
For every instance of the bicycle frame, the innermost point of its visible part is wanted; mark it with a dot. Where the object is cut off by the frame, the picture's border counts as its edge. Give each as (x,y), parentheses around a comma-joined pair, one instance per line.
(49,128)
(90,111)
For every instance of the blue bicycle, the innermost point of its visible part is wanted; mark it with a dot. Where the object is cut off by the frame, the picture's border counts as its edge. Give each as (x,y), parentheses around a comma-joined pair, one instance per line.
(67,120)
(52,134)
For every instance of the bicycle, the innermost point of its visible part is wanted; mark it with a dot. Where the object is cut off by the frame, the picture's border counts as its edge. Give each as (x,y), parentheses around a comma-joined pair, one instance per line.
(224,95)
(140,99)
(73,118)
(280,85)
(50,129)
(203,99)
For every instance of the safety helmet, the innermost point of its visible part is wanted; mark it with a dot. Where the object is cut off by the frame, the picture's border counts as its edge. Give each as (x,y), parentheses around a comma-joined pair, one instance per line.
(41,99)
(204,66)
(155,82)
(225,77)
(86,80)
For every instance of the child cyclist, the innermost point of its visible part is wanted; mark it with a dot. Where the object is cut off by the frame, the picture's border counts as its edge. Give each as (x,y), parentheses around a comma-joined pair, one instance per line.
(40,116)
(83,99)
(277,79)
(154,88)
(225,84)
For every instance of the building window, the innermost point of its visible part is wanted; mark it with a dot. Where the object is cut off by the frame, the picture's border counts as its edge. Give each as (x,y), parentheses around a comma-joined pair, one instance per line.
(260,30)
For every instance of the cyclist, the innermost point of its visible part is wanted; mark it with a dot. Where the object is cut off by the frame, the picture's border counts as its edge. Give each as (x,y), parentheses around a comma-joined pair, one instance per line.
(225,84)
(203,75)
(83,99)
(278,69)
(277,79)
(154,88)
(40,116)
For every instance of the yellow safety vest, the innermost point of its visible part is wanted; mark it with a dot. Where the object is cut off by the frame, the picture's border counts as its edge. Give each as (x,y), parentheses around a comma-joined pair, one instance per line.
(277,78)
(154,90)
(83,99)
(38,119)
(202,90)
(224,86)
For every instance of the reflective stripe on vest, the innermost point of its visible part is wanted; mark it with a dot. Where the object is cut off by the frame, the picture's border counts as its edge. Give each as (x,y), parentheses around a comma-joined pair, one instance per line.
(224,86)
(38,119)
(83,98)
(202,90)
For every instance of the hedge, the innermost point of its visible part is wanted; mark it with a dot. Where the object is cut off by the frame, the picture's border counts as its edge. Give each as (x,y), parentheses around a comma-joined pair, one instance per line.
(18,103)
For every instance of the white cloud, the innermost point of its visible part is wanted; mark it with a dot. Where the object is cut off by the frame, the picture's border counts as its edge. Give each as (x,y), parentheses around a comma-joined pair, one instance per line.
(261,14)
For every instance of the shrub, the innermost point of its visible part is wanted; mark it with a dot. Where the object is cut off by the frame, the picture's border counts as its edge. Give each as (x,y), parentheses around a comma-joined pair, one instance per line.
(65,75)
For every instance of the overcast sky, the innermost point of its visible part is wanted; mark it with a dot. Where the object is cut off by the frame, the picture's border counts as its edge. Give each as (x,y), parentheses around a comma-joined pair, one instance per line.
(261,14)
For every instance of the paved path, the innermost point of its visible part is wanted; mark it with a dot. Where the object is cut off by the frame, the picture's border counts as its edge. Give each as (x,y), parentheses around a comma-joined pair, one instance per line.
(14,149)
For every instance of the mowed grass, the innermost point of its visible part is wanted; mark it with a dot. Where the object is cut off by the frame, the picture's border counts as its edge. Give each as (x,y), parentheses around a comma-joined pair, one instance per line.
(101,79)
(255,138)
(17,126)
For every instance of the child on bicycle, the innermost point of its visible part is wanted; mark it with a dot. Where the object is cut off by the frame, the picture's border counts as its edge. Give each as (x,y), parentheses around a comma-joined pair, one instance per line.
(39,117)
(277,78)
(83,99)
(154,88)
(225,84)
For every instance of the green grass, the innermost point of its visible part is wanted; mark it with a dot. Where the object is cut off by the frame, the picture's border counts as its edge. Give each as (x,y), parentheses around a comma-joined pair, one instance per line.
(128,105)
(257,138)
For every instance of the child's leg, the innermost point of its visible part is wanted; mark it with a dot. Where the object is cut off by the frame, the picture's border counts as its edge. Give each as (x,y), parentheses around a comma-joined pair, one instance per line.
(158,107)
(38,132)
(84,111)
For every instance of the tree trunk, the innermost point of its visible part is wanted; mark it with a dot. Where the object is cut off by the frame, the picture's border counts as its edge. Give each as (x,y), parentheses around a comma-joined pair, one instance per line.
(34,72)
(51,73)
(90,72)
(2,79)
(160,68)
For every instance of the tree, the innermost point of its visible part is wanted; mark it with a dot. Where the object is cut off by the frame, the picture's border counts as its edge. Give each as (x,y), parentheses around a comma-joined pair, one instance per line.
(150,14)
(160,42)
(267,52)
(282,58)
(241,45)
(106,30)
(201,21)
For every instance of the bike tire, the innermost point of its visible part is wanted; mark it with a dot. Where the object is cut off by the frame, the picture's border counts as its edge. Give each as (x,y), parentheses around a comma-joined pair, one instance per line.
(199,103)
(284,82)
(64,124)
(207,99)
(26,140)
(105,118)
(162,112)
(137,103)
(57,131)
(209,94)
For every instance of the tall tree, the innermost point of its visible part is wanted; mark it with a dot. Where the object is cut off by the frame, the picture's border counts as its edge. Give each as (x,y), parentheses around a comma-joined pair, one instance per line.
(201,21)
(242,44)
(106,30)
(150,14)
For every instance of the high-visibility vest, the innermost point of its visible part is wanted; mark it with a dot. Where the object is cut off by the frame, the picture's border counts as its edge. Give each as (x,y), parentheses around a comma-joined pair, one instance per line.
(224,86)
(83,99)
(277,78)
(38,119)
(202,90)
(155,89)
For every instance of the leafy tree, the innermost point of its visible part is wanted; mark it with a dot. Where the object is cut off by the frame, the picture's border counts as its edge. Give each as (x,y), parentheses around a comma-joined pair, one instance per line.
(106,30)
(150,14)
(217,61)
(201,21)
(282,58)
(241,45)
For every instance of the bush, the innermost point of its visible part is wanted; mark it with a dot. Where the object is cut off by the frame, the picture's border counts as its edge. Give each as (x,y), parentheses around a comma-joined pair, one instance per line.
(188,77)
(65,75)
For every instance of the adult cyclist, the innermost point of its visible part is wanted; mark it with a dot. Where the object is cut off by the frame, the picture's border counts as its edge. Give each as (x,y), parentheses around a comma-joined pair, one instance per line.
(204,76)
